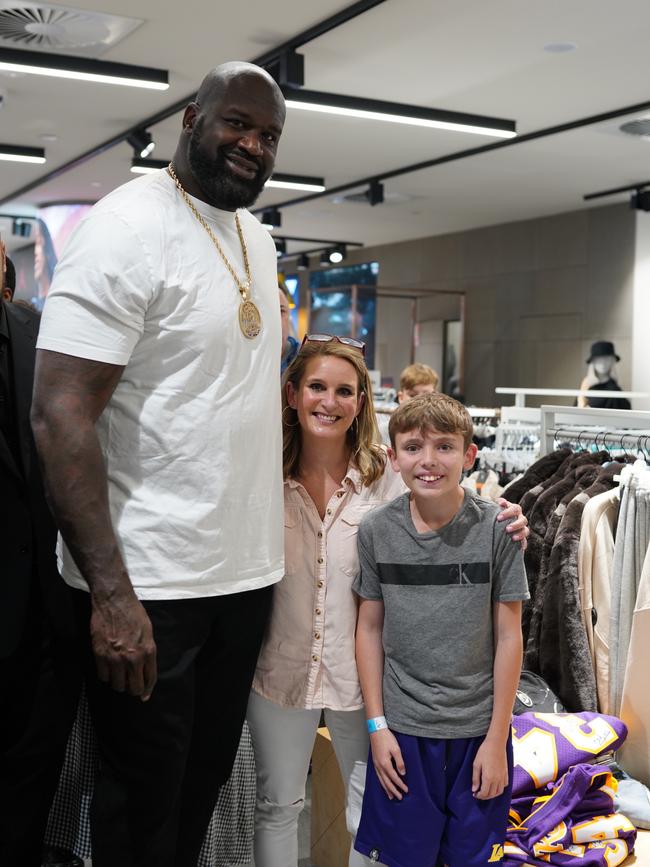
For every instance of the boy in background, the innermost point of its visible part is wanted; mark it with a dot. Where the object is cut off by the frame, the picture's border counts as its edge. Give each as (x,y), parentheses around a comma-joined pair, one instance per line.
(417,379)
(439,651)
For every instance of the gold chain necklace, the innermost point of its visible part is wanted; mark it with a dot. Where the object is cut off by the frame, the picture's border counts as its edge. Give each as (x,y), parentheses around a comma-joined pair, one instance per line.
(250,319)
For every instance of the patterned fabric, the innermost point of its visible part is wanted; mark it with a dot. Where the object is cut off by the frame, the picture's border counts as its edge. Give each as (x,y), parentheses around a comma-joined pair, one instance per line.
(562,810)
(574,823)
(229,839)
(546,745)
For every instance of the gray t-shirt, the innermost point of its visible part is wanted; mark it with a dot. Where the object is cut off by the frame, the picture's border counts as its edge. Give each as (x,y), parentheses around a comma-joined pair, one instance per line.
(438,589)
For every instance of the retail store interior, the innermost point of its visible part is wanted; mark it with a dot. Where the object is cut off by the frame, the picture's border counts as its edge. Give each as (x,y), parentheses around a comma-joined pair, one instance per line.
(463,184)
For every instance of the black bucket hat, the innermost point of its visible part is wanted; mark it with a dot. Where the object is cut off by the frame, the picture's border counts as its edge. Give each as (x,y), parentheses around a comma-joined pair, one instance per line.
(602,347)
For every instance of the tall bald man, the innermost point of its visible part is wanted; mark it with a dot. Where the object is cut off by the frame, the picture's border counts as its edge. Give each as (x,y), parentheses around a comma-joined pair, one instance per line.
(157,421)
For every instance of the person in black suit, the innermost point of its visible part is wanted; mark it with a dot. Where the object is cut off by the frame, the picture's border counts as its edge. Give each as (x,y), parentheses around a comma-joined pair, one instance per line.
(39,680)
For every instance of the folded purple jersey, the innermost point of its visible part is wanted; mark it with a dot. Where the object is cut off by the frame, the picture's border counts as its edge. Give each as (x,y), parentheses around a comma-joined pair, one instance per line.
(546,745)
(571,824)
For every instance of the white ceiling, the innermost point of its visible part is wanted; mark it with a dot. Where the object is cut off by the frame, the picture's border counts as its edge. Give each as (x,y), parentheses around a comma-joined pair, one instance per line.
(464,55)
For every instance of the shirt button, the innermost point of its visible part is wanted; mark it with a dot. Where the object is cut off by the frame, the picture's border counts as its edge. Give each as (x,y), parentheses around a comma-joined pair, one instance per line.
(318,611)
(339,494)
(320,534)
(328,512)
(320,559)
(315,658)
(320,584)
(316,634)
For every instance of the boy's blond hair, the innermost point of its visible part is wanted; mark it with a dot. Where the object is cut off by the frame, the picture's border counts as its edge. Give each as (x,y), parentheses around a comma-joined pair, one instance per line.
(429,412)
(418,374)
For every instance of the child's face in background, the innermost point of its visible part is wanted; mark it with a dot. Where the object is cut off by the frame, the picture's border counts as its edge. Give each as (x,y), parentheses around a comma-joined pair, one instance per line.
(431,462)
(416,391)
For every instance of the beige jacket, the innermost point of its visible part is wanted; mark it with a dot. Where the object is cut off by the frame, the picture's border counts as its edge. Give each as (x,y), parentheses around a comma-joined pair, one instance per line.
(595,559)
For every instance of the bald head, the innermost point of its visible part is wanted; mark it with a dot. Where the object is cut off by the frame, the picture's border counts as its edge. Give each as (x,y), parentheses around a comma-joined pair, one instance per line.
(216,82)
(227,149)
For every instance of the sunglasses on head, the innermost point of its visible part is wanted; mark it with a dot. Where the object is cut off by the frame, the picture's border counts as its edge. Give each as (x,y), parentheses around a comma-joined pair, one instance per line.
(359,345)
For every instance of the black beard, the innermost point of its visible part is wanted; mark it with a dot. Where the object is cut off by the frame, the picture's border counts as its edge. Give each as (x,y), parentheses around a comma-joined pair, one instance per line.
(220,186)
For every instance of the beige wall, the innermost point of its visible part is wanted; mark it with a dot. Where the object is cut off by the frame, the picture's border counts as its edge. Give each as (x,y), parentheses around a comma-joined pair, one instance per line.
(538,293)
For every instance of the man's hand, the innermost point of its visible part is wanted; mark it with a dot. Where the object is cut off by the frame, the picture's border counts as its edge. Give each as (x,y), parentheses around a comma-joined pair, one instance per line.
(122,640)
(518,525)
(388,762)
(490,770)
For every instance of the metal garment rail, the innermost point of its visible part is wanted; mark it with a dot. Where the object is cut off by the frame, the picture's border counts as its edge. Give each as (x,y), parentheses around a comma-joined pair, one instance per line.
(622,427)
(520,393)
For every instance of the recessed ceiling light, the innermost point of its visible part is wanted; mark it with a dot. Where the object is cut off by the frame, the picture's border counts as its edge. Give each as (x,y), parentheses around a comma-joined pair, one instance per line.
(49,137)
(560,47)
(95,183)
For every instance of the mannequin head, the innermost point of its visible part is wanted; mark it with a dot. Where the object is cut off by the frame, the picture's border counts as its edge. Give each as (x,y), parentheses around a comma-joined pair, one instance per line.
(602,360)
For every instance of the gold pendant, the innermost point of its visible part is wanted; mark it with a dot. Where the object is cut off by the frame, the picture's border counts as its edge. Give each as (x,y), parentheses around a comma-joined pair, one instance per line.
(250,320)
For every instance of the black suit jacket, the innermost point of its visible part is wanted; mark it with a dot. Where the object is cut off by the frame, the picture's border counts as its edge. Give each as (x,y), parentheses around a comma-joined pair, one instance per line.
(27,531)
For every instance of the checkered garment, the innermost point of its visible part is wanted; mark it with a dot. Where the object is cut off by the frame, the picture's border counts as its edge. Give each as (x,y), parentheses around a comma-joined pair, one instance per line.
(229,839)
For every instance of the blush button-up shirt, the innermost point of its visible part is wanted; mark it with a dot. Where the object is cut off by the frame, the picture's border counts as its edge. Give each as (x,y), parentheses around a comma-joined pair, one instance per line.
(307,658)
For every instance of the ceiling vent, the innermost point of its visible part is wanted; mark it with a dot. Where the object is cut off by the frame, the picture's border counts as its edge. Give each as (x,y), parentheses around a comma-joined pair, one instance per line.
(61,29)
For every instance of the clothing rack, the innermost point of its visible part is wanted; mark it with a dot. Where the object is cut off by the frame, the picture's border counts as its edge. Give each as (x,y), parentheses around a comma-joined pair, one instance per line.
(600,427)
(483,411)
(520,393)
(521,414)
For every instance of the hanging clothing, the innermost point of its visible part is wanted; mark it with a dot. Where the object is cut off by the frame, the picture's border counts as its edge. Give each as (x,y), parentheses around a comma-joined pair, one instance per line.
(557,620)
(595,562)
(626,578)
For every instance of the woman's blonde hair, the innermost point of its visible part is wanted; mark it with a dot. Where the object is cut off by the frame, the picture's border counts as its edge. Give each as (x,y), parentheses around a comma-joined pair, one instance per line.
(363,436)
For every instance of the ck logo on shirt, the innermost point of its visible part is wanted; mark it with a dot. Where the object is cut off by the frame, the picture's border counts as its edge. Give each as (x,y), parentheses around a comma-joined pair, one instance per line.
(438,574)
(497,854)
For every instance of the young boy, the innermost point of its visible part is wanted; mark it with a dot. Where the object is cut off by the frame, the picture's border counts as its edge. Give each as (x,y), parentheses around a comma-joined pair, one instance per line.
(414,380)
(439,652)
(417,379)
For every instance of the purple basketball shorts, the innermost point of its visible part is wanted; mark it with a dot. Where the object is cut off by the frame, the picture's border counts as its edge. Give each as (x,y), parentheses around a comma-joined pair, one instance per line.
(438,821)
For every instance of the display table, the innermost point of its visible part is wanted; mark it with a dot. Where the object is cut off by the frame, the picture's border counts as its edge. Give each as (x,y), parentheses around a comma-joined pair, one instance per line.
(330,841)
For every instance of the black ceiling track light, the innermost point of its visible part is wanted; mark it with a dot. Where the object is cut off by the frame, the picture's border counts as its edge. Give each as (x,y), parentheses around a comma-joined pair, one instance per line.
(375,193)
(271,218)
(142,142)
(328,249)
(639,200)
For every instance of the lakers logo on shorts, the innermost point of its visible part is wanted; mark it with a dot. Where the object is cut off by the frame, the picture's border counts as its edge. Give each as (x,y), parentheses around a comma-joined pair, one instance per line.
(497,854)
(374,854)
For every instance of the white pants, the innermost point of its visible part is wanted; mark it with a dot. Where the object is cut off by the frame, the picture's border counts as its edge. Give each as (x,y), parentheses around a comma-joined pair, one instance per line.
(283,740)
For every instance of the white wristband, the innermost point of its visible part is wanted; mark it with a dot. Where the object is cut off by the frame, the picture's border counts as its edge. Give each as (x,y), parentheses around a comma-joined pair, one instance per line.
(377,723)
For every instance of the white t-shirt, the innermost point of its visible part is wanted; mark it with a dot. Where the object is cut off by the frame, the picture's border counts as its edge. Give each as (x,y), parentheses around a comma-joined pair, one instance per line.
(192,434)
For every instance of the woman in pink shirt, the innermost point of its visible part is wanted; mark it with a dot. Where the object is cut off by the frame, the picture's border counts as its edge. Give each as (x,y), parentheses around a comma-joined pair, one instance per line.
(335,471)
